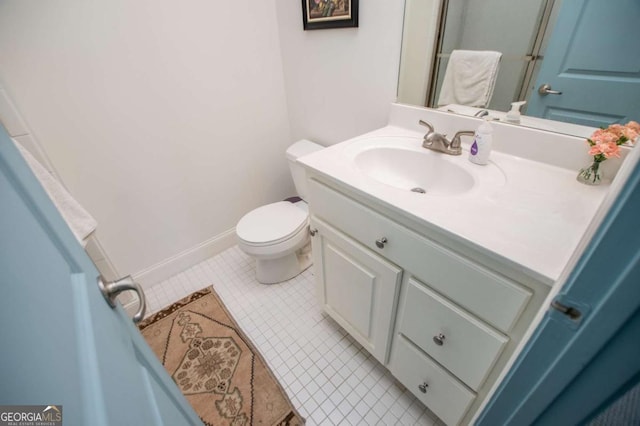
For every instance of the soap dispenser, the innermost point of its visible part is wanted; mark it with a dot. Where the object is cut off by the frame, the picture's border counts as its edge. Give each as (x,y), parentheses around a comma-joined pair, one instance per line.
(482,141)
(513,116)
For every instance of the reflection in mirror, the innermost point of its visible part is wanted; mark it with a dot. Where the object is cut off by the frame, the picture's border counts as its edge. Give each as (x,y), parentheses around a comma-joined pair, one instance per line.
(514,28)
(597,72)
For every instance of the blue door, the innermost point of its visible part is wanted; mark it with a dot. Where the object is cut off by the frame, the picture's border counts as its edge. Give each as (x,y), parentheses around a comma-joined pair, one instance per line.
(586,351)
(593,59)
(61,342)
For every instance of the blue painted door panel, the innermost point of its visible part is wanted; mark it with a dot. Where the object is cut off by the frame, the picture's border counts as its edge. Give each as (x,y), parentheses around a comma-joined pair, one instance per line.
(571,368)
(61,342)
(594,60)
(616,366)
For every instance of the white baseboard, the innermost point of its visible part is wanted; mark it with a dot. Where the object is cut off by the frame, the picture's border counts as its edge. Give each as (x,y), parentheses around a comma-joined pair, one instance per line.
(192,256)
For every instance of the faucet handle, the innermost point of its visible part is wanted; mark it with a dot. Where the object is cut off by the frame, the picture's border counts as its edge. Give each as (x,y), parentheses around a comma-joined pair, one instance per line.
(455,142)
(427,125)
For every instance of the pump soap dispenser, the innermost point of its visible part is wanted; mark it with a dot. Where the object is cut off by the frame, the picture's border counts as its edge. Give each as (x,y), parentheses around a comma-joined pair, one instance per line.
(482,141)
(513,116)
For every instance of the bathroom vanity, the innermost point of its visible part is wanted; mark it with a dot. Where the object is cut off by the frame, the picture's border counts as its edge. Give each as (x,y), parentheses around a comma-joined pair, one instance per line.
(438,266)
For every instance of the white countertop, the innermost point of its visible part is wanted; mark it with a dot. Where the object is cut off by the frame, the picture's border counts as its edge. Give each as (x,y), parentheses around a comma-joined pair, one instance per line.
(534,218)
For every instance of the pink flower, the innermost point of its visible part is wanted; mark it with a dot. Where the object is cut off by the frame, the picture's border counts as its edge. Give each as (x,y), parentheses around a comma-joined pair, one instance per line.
(595,150)
(631,131)
(609,149)
(604,136)
(634,126)
(604,143)
(615,129)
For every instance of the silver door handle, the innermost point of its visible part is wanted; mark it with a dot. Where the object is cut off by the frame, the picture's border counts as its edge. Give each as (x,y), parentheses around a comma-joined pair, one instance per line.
(545,90)
(111,290)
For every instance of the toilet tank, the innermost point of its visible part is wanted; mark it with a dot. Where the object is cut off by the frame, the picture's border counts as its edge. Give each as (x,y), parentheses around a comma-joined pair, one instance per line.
(295,151)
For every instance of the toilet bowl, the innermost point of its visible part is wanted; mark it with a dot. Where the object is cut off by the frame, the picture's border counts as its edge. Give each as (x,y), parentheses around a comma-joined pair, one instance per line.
(277,235)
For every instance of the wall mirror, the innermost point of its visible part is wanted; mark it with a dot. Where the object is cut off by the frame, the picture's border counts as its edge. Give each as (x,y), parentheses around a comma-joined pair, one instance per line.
(583,49)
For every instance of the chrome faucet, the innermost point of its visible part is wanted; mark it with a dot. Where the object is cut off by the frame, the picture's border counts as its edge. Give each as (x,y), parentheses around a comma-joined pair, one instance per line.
(438,142)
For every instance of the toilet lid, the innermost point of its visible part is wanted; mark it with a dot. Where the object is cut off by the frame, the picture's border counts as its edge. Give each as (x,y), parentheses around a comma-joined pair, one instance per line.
(271,224)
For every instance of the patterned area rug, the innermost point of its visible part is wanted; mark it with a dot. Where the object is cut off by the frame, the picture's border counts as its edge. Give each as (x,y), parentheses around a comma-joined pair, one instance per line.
(215,365)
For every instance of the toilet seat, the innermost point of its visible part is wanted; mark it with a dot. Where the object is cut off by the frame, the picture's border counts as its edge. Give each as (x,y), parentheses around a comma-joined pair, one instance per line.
(271,224)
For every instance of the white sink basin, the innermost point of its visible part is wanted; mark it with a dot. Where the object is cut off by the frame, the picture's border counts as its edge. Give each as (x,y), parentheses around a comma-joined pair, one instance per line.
(422,172)
(403,164)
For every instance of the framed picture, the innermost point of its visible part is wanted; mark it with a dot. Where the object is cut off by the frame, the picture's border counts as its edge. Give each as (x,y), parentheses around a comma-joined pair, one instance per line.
(321,14)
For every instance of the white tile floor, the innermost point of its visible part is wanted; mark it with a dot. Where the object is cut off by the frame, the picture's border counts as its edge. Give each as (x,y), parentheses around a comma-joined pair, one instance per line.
(329,377)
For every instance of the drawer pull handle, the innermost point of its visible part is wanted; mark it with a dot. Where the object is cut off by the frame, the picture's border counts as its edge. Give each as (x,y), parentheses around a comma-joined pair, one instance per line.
(380,242)
(439,339)
(313,232)
(423,387)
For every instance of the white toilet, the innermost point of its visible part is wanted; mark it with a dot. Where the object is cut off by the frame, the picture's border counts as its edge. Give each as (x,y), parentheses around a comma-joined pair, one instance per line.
(277,235)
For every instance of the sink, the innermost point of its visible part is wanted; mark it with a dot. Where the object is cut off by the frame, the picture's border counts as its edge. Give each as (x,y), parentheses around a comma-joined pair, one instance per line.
(402,163)
(422,172)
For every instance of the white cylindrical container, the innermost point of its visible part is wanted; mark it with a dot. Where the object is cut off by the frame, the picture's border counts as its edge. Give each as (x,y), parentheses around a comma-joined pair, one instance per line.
(481,146)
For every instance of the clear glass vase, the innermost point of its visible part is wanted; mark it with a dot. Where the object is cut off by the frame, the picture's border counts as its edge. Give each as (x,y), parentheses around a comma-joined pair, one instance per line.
(592,174)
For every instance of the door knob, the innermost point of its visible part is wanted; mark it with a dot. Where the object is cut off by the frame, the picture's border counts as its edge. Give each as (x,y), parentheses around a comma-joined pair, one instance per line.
(313,232)
(545,90)
(439,339)
(111,290)
(380,242)
(423,387)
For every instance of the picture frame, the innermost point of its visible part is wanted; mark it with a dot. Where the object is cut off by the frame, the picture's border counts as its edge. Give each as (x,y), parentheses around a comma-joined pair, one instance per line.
(323,14)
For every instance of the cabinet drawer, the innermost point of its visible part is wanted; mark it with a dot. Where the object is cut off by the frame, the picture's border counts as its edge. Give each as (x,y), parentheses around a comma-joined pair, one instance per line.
(480,291)
(445,396)
(468,347)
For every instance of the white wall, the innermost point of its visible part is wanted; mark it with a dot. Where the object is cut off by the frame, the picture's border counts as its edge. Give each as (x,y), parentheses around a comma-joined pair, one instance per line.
(340,82)
(167,120)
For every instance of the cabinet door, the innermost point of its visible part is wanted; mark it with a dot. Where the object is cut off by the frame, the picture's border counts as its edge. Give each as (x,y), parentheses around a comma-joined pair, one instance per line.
(356,287)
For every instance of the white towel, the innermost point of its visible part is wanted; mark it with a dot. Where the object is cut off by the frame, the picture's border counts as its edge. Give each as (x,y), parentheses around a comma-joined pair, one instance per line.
(82,224)
(470,78)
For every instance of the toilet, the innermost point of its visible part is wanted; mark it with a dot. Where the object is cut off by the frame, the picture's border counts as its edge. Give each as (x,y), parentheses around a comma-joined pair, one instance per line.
(277,235)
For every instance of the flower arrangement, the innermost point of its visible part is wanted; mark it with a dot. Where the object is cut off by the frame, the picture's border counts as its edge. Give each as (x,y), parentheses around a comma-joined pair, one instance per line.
(605,143)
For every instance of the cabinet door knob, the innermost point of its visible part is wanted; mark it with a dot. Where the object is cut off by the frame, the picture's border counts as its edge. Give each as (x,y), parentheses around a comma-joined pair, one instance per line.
(423,387)
(313,232)
(438,339)
(380,242)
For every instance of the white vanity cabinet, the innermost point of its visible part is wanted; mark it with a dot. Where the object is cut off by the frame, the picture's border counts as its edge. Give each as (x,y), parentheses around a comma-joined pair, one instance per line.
(442,320)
